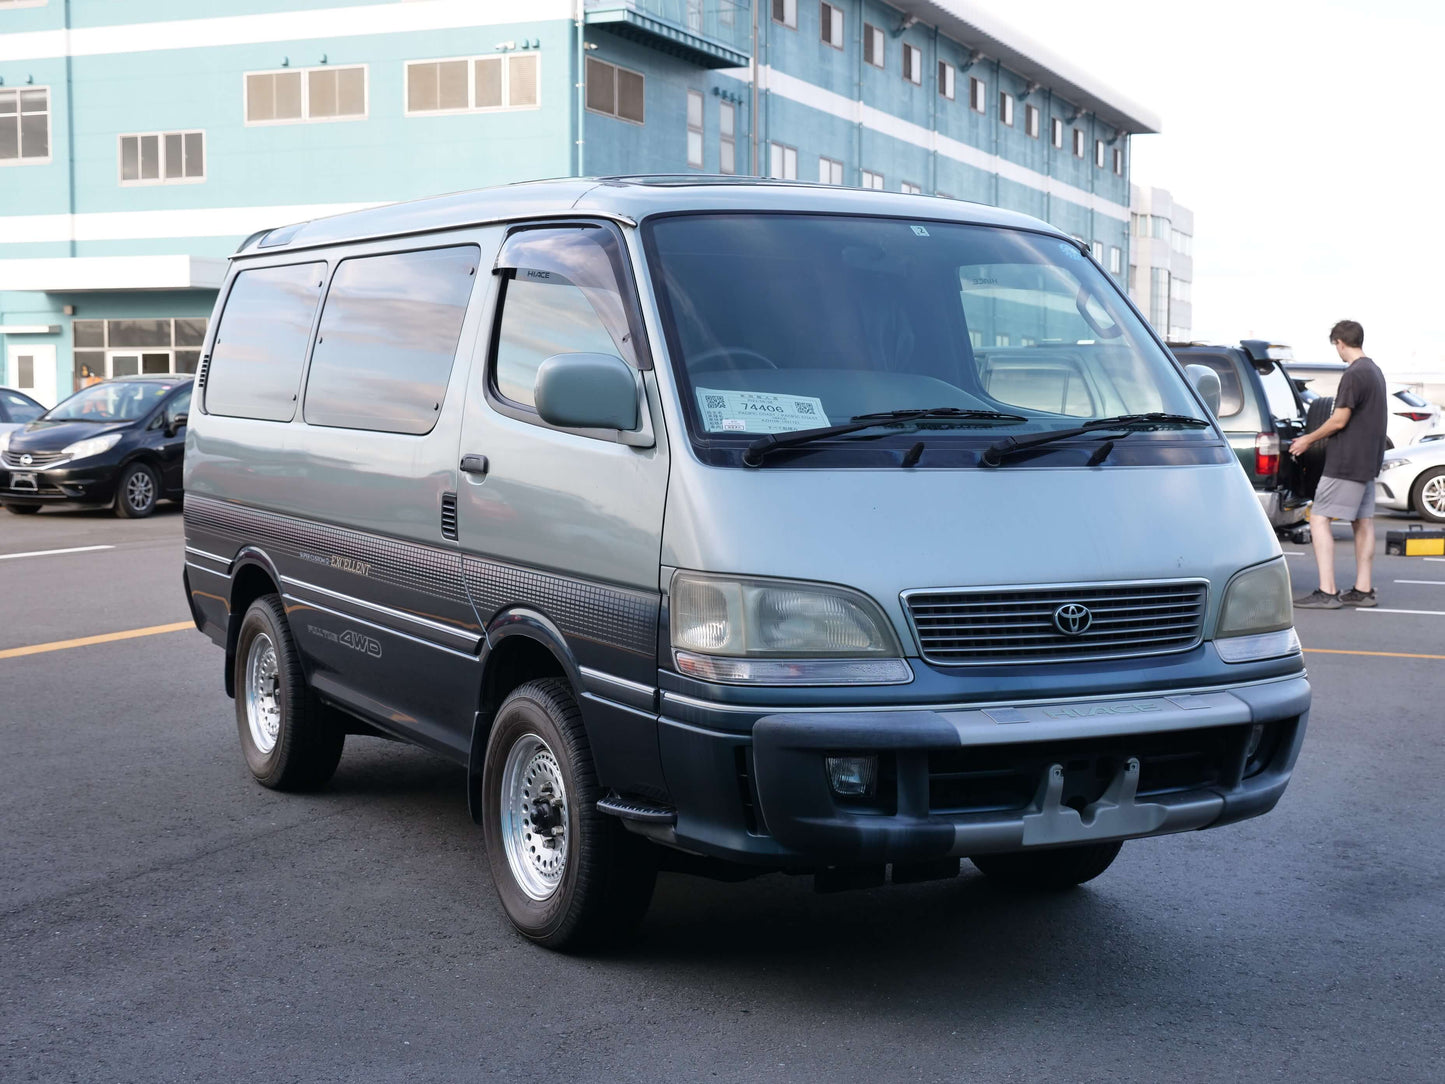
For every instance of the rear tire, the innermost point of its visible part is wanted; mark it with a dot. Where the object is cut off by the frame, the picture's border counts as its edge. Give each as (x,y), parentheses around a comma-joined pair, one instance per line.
(23,509)
(137,492)
(290,740)
(1049,870)
(1427,495)
(568,876)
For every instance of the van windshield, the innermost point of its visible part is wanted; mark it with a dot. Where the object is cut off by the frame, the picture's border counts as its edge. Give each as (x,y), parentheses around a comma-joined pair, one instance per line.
(782,322)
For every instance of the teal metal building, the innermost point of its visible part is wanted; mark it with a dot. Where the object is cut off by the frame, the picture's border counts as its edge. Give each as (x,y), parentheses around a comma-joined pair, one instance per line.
(140,142)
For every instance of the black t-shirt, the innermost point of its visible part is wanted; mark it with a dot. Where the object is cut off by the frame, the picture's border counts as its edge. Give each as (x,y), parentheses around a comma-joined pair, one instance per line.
(1356,452)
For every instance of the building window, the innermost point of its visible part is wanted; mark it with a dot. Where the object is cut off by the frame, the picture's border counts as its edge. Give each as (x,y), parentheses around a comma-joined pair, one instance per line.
(1159,298)
(910,189)
(782,162)
(1078,143)
(873,45)
(1031,121)
(1181,290)
(1006,108)
(976,94)
(1118,161)
(694,129)
(1159,227)
(727,124)
(617,92)
(1099,156)
(913,64)
(1056,132)
(1133,279)
(163,158)
(25,125)
(1116,259)
(473,84)
(303,94)
(1097,251)
(1181,242)
(786,12)
(830,25)
(108,348)
(945,79)
(873,180)
(830,171)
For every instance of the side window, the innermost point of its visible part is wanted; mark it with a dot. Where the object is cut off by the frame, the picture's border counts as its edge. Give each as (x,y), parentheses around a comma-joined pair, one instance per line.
(1231,394)
(563,294)
(387,339)
(260,344)
(181,404)
(21,409)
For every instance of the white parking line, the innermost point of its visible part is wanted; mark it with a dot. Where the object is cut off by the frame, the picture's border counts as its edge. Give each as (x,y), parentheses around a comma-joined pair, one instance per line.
(1383,610)
(1294,553)
(1437,583)
(49,553)
(1434,558)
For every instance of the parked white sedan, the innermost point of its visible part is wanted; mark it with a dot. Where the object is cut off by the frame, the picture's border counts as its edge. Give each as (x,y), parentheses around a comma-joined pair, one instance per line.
(1413,480)
(1411,416)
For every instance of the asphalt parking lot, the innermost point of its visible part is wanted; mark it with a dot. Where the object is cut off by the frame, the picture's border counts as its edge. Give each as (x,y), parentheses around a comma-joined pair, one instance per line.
(164,918)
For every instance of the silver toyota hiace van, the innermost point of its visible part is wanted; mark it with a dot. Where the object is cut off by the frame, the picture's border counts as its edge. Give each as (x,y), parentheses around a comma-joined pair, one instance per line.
(731,527)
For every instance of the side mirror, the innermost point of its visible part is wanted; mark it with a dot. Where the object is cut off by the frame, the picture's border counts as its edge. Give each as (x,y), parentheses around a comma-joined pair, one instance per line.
(176,422)
(1206,383)
(587,391)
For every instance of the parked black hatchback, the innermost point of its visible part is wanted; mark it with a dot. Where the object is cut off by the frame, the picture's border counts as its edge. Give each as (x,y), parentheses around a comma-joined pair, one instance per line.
(117,443)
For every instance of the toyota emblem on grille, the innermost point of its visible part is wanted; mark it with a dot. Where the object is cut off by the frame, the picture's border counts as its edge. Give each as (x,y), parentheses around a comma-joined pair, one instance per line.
(26,459)
(1072,619)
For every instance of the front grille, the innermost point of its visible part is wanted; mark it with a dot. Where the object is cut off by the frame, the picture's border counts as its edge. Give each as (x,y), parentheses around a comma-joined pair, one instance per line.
(1017,624)
(37,459)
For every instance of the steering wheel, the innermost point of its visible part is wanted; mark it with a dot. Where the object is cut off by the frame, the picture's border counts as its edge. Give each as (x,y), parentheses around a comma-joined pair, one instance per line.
(727,355)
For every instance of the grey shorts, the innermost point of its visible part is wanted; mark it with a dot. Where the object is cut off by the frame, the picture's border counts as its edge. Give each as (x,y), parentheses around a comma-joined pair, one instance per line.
(1338,498)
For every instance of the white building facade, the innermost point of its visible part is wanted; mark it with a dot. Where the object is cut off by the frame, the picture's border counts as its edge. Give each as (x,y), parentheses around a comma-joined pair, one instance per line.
(1161,261)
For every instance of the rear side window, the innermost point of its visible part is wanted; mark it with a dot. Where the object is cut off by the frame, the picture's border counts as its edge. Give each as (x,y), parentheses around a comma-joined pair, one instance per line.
(260,344)
(1231,393)
(387,339)
(1409,398)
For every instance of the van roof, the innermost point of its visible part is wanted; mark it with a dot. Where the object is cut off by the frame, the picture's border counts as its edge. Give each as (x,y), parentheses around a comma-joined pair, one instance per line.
(626,199)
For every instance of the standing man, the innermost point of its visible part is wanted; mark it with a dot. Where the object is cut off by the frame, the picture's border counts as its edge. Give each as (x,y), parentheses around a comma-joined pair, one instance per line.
(1352,460)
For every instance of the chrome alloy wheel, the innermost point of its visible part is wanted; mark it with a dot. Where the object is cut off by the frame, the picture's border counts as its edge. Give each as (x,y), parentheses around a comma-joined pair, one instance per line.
(140,491)
(534,817)
(263,694)
(1432,496)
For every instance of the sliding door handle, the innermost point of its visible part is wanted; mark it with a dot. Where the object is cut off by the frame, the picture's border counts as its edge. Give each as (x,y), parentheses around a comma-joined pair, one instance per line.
(474,464)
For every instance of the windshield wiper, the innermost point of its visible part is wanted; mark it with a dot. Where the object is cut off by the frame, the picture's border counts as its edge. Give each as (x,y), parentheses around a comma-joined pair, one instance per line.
(755,452)
(1123,424)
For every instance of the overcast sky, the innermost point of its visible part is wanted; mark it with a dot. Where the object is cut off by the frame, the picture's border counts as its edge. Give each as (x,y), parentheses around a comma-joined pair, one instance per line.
(1307,137)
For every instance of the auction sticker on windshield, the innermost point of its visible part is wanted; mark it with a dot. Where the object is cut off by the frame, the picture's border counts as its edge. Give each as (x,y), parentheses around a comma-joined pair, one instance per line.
(758,411)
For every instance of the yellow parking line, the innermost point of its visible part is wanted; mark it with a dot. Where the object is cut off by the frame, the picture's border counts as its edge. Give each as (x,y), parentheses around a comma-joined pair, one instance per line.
(1378,654)
(86,641)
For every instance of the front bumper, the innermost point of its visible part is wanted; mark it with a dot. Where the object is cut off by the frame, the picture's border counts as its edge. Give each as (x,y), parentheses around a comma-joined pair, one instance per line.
(975,781)
(1392,488)
(89,485)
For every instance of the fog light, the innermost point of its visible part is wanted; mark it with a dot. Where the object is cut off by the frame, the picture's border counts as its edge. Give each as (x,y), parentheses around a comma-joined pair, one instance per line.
(1256,735)
(853,777)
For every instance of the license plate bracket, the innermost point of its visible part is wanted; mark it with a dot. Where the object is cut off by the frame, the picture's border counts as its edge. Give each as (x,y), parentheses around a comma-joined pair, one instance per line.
(24,480)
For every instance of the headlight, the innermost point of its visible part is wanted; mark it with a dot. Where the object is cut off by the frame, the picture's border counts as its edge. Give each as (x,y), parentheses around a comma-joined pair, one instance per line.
(781,632)
(1256,620)
(1393,464)
(82,449)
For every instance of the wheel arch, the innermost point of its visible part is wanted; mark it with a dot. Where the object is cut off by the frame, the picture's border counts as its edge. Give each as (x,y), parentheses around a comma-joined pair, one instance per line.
(253,574)
(522,645)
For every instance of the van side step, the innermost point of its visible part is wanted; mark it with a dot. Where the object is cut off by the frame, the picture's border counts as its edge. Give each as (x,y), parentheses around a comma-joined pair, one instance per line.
(636,809)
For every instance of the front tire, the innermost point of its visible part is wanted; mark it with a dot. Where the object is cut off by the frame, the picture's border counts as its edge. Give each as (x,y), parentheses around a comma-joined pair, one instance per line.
(568,876)
(137,493)
(23,509)
(289,739)
(1427,495)
(1049,870)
